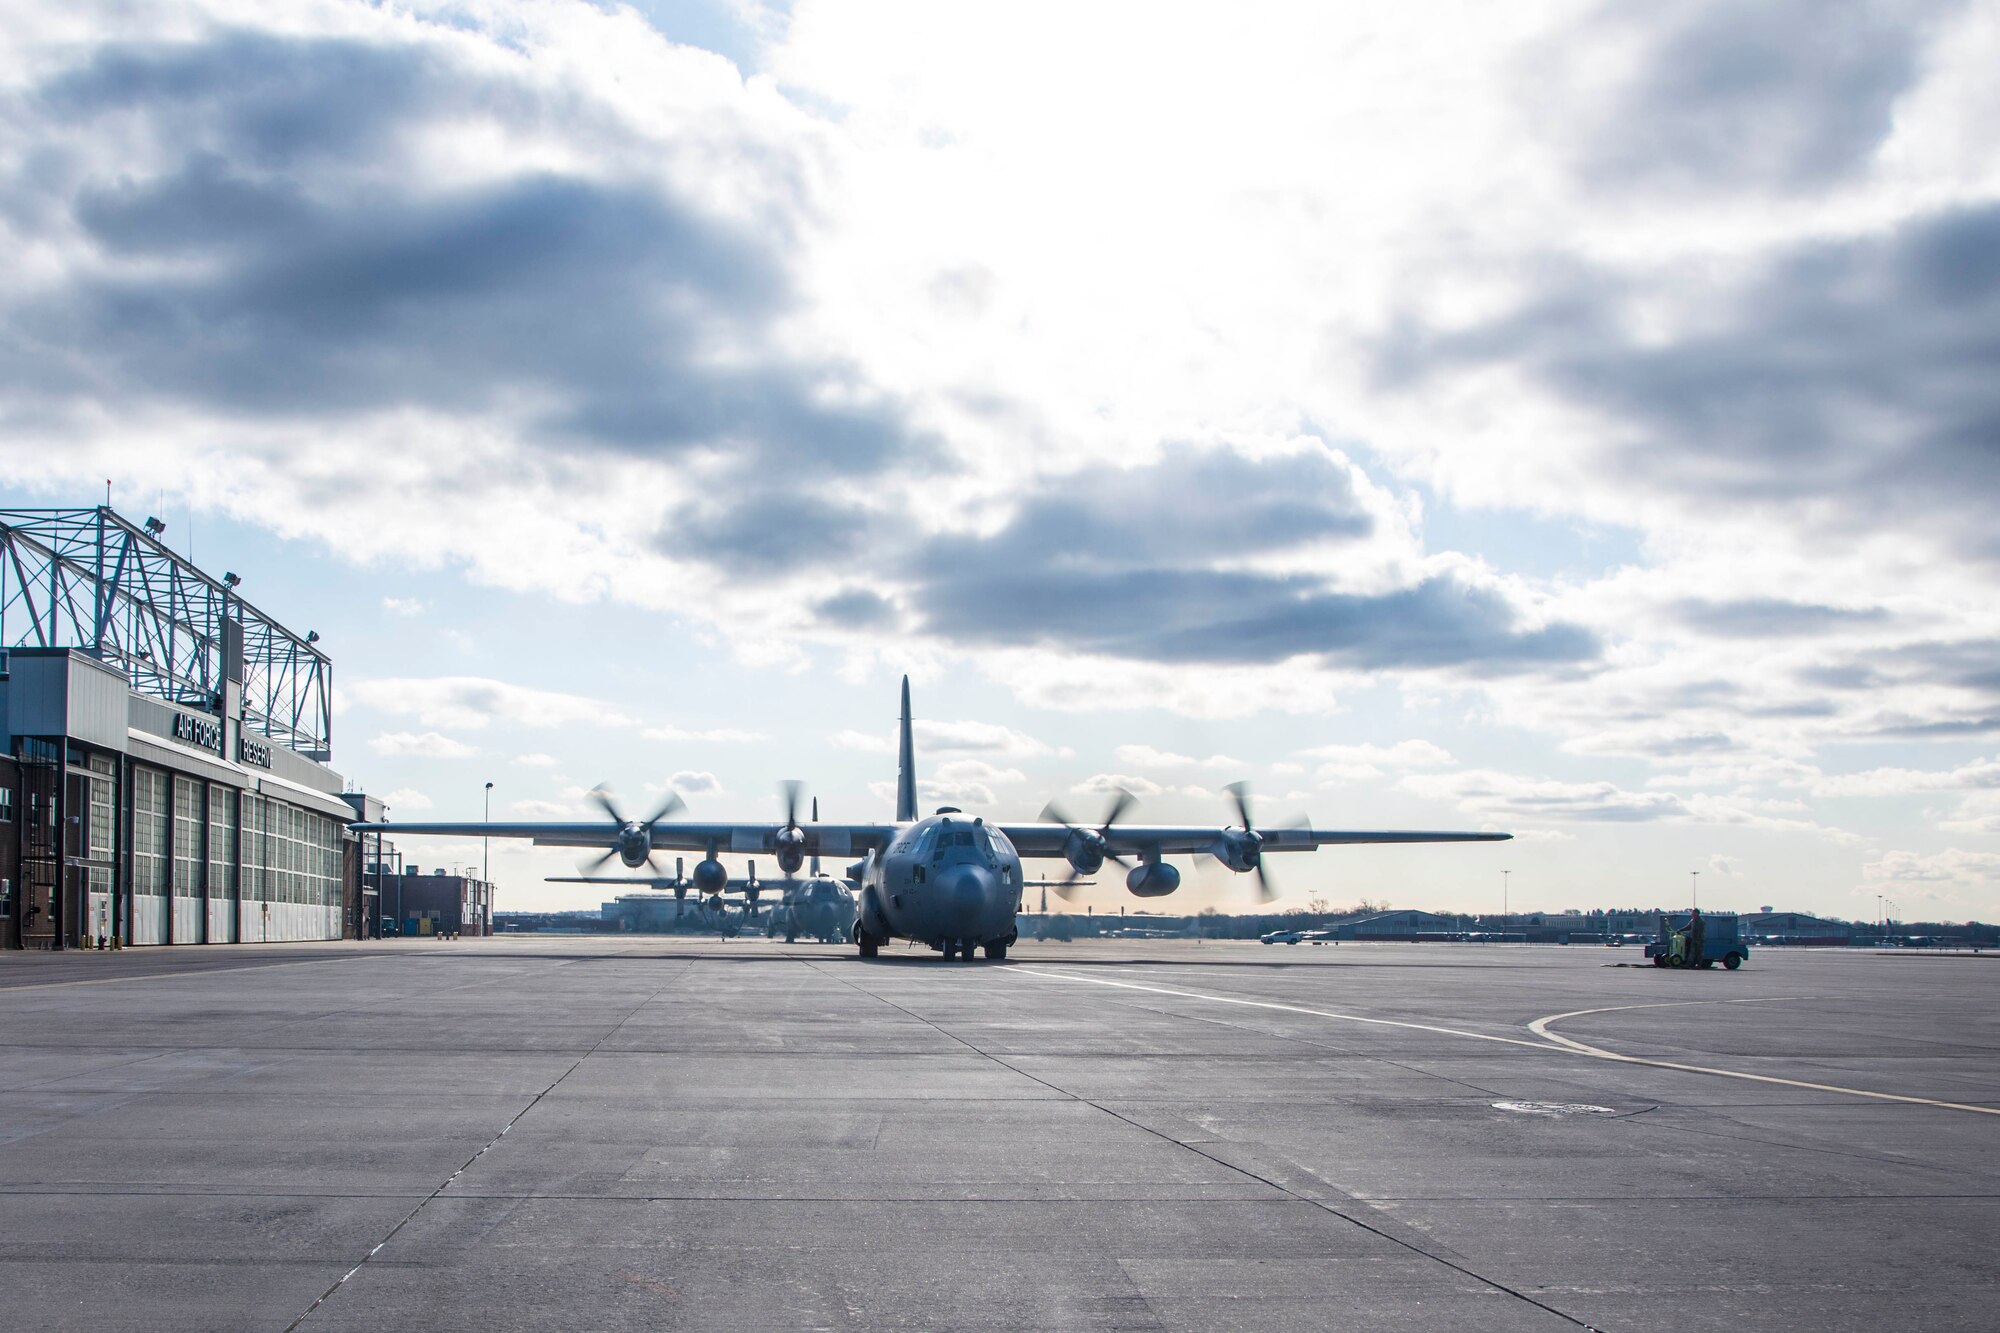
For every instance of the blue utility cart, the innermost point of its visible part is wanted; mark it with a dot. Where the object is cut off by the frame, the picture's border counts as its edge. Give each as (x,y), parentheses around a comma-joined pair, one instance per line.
(1721,942)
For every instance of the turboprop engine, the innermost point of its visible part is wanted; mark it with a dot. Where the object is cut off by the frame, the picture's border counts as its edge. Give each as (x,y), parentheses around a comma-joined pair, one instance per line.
(1153,879)
(1239,849)
(789,842)
(634,846)
(1084,849)
(789,845)
(631,839)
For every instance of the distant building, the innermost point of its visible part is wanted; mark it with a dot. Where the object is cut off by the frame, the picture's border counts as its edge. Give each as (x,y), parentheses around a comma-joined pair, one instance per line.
(435,904)
(1408,924)
(1796,928)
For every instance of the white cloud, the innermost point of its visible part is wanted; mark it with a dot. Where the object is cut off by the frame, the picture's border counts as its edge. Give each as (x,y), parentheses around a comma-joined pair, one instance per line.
(1976,813)
(403,606)
(1110,784)
(472,702)
(931,794)
(540,809)
(718,735)
(536,760)
(1954,881)
(1403,754)
(1344,764)
(1509,795)
(691,782)
(977,770)
(1146,757)
(961,737)
(406,799)
(1982,773)
(1486,792)
(420,745)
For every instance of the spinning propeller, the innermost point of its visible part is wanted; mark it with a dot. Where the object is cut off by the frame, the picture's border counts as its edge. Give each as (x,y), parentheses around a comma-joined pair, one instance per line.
(631,842)
(789,842)
(1242,849)
(1086,848)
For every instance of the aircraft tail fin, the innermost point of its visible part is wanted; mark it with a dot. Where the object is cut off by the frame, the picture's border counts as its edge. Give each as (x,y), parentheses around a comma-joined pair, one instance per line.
(906,766)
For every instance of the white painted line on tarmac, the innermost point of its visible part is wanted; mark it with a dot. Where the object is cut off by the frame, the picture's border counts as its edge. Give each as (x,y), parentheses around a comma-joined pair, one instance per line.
(1283,1008)
(170,976)
(1551,1041)
(1540,1027)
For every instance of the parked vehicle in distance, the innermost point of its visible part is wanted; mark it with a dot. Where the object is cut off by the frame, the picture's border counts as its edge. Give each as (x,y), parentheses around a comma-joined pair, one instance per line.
(1283,937)
(1320,937)
(1722,943)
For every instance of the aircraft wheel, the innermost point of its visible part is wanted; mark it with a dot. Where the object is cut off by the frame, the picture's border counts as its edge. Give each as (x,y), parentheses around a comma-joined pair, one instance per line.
(1733,961)
(966,950)
(1659,960)
(950,951)
(791,938)
(996,952)
(867,948)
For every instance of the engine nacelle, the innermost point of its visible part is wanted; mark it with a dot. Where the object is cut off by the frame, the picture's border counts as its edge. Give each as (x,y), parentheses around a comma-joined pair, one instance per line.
(1238,850)
(710,875)
(634,846)
(1153,880)
(790,846)
(1085,851)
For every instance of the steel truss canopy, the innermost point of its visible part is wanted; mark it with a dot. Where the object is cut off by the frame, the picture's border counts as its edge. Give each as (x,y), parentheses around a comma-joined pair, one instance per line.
(88,579)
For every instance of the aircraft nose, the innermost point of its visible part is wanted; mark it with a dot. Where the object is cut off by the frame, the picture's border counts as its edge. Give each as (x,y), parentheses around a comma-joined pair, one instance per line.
(969,888)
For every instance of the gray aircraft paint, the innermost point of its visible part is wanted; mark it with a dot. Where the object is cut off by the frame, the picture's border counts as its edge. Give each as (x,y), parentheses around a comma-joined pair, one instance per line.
(917,879)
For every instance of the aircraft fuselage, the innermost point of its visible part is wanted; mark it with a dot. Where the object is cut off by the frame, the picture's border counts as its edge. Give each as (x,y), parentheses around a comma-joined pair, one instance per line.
(948,881)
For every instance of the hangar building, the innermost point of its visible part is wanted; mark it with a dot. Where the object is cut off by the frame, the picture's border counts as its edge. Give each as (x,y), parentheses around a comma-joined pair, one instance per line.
(164,750)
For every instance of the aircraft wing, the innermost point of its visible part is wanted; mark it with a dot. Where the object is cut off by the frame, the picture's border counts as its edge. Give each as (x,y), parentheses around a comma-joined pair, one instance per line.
(1182,840)
(834,840)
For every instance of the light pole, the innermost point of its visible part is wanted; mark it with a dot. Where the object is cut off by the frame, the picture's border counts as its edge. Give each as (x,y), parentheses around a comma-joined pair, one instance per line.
(1503,893)
(485,899)
(1694,887)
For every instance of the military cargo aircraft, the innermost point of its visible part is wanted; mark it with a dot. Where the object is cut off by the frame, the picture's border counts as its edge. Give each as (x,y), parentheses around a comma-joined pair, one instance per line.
(945,880)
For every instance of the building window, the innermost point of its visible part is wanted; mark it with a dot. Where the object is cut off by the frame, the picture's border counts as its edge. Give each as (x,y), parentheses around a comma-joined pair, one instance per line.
(221,841)
(6,805)
(149,831)
(187,838)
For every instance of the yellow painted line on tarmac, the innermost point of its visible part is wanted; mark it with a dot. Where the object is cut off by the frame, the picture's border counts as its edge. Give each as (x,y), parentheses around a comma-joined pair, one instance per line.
(1551,1041)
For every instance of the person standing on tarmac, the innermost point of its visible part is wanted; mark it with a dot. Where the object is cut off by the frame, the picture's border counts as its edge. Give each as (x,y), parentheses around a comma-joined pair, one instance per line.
(1693,930)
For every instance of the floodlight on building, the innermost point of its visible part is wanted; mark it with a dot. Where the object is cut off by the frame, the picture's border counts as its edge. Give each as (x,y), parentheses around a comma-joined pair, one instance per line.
(156,526)
(312,636)
(230,580)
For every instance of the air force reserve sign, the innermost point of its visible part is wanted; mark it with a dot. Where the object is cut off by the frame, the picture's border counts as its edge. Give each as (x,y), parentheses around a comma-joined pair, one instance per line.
(254,753)
(198,730)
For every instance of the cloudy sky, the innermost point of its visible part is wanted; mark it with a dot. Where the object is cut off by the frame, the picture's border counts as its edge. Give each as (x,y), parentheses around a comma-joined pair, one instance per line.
(1578,419)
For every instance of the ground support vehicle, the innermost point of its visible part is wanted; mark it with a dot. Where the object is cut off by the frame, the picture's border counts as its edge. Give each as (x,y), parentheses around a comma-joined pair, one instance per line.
(1722,942)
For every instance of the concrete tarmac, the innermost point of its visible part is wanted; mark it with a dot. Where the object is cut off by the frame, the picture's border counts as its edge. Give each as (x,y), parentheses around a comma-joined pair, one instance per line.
(609,1133)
